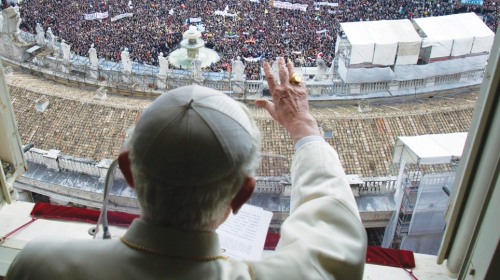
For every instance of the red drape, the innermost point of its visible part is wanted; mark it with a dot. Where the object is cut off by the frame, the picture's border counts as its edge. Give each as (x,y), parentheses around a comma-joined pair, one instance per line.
(374,254)
(390,257)
(46,210)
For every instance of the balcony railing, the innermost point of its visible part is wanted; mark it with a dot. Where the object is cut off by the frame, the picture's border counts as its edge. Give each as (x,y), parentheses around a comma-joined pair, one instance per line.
(253,87)
(418,83)
(377,185)
(373,87)
(58,161)
(447,79)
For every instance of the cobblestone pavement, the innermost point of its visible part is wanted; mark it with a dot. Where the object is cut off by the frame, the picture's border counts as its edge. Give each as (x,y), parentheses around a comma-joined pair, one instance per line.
(80,126)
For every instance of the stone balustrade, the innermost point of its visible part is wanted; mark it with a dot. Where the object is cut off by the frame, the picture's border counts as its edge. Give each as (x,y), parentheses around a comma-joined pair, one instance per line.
(253,87)
(146,80)
(377,185)
(54,159)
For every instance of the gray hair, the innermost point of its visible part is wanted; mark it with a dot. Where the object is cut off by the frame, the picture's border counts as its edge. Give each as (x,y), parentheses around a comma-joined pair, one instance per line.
(199,207)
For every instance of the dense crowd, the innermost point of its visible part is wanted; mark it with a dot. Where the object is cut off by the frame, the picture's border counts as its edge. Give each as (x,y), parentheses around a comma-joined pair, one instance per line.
(257,30)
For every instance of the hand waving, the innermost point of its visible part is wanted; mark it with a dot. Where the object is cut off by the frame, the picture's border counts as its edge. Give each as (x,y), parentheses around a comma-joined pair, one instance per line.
(290,106)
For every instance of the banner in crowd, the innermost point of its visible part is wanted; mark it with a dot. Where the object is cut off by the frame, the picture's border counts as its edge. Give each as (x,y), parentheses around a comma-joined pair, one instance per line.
(472,2)
(96,16)
(321,31)
(253,59)
(326,4)
(224,13)
(289,6)
(194,19)
(118,17)
(230,34)
(251,41)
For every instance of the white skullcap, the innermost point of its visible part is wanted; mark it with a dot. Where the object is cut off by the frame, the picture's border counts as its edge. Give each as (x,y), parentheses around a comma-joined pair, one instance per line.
(192,136)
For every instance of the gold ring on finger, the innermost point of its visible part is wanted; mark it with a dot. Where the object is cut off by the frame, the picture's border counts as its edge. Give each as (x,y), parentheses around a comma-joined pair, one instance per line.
(295,78)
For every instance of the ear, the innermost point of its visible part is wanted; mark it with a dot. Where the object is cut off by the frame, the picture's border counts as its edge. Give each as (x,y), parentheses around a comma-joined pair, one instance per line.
(126,168)
(243,194)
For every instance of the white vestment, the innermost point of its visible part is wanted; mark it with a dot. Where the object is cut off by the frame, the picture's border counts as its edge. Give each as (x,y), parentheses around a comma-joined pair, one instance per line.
(323,238)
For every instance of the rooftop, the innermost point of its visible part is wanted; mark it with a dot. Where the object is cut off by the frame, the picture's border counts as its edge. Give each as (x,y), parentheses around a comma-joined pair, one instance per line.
(80,126)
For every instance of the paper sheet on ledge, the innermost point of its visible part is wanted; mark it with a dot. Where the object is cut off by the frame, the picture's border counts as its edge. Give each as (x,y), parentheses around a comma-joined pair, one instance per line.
(243,235)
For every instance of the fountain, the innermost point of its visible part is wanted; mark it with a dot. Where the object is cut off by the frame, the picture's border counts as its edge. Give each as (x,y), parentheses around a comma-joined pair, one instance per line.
(191,46)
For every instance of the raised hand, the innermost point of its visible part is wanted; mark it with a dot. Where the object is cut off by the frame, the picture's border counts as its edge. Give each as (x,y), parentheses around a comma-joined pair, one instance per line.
(290,106)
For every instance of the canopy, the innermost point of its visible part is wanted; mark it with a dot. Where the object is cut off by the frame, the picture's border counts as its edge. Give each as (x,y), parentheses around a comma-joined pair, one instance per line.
(386,43)
(462,38)
(483,36)
(455,35)
(437,37)
(378,42)
(362,44)
(409,41)
(430,149)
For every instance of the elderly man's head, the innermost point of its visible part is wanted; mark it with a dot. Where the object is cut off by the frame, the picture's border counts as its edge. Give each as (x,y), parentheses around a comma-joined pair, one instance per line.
(192,158)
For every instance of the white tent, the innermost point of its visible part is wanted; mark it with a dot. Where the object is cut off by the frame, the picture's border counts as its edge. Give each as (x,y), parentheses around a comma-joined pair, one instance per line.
(362,44)
(437,37)
(430,149)
(409,41)
(378,42)
(483,36)
(386,43)
(455,35)
(462,38)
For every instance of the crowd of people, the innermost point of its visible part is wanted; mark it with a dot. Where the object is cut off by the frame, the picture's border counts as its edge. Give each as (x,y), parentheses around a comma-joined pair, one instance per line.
(257,31)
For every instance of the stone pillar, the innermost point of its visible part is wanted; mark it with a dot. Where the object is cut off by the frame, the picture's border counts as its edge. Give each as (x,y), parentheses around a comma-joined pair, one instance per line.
(103,167)
(161,81)
(198,80)
(315,90)
(354,88)
(126,76)
(464,76)
(238,87)
(94,72)
(393,85)
(430,82)
(65,67)
(50,159)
